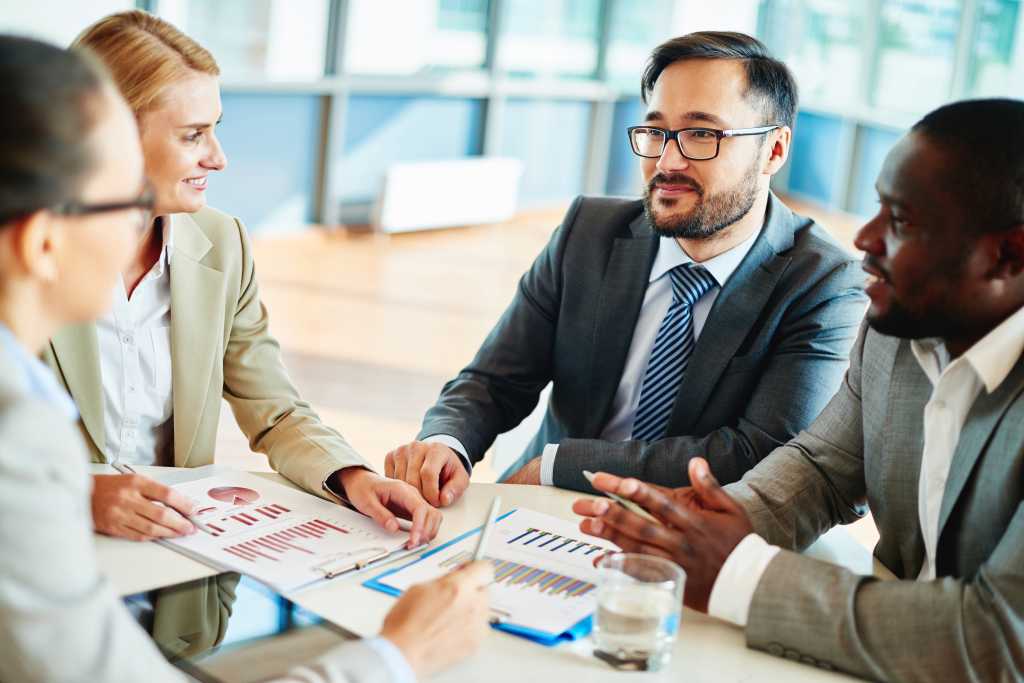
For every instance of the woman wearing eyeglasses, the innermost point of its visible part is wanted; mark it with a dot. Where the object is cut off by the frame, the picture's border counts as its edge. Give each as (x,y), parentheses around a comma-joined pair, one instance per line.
(187,326)
(71,173)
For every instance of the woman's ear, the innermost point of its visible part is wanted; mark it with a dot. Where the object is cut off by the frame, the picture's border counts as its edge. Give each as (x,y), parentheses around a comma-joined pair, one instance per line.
(35,242)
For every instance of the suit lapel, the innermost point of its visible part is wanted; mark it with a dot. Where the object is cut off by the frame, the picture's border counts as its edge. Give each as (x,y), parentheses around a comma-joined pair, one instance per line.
(897,473)
(622,294)
(982,421)
(77,352)
(736,309)
(197,313)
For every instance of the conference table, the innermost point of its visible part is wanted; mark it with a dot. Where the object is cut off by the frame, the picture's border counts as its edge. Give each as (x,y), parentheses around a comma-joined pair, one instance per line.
(706,649)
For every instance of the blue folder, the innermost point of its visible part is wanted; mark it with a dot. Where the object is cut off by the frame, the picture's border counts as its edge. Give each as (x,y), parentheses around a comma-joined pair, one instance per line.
(578,630)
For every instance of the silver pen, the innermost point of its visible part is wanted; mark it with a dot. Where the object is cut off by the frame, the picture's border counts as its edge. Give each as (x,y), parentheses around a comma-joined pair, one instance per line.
(481,544)
(125,468)
(624,502)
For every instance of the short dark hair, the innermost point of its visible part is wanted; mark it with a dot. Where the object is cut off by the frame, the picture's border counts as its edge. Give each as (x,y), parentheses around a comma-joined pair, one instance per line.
(768,79)
(50,97)
(985,141)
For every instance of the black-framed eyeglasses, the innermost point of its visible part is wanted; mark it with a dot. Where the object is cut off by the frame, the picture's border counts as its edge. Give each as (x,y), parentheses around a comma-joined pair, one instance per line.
(696,144)
(143,204)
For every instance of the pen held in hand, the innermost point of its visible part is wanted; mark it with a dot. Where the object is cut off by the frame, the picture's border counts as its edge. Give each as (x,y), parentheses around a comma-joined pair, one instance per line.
(624,502)
(492,515)
(125,468)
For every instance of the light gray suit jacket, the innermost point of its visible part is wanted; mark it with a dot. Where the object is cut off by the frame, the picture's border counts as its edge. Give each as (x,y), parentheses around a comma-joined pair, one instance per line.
(968,624)
(60,620)
(773,350)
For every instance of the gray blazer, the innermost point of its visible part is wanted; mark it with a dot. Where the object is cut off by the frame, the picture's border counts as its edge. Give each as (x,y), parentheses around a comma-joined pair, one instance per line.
(773,349)
(60,620)
(968,624)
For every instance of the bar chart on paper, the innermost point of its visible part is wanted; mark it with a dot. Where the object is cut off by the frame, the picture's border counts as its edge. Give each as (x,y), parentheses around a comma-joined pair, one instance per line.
(544,575)
(276,534)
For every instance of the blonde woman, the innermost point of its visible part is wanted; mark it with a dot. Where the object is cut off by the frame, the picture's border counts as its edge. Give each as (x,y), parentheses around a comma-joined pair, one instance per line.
(72,205)
(187,326)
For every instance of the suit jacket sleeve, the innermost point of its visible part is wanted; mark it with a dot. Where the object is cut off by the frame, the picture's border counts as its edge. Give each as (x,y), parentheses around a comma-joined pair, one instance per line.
(502,384)
(266,404)
(354,662)
(804,367)
(969,629)
(947,629)
(60,620)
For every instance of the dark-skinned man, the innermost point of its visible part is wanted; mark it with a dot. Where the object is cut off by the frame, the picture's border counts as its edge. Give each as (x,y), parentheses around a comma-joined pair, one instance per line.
(927,428)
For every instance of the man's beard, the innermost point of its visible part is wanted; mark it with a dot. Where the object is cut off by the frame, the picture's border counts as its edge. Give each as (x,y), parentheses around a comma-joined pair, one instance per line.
(711,214)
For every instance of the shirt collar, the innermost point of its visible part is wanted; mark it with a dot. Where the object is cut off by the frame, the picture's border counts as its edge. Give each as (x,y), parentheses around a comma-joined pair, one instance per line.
(992,357)
(671,255)
(167,229)
(36,379)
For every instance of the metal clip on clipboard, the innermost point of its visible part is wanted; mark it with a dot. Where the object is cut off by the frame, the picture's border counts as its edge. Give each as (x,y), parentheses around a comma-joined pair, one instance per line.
(335,568)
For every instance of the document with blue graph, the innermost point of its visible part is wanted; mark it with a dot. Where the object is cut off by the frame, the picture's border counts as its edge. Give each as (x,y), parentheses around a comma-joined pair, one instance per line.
(544,576)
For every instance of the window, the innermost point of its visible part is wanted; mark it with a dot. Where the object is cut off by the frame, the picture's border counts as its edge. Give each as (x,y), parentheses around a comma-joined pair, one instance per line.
(990,70)
(916,51)
(429,35)
(820,41)
(257,39)
(550,38)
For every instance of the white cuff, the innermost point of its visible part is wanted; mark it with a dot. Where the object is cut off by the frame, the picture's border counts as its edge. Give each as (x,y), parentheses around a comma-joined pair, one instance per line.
(738,578)
(547,465)
(394,660)
(454,444)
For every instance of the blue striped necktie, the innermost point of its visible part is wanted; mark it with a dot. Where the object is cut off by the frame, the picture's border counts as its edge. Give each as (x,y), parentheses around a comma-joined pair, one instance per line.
(670,355)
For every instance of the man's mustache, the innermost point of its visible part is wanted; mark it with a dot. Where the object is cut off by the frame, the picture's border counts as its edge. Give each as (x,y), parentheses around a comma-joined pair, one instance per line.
(662,179)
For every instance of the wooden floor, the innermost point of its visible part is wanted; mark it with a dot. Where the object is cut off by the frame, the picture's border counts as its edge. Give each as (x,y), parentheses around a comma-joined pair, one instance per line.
(372,325)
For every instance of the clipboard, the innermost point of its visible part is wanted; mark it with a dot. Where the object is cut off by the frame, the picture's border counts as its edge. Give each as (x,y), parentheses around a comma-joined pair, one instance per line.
(499,621)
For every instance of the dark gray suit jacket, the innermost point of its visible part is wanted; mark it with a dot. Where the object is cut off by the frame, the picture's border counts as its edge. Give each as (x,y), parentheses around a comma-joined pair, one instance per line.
(968,624)
(771,354)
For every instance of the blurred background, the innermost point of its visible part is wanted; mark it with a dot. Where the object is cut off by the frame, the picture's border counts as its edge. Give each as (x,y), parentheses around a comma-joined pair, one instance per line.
(322,97)
(396,112)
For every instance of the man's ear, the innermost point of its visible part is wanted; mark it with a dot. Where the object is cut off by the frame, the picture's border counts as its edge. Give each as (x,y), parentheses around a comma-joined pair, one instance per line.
(1008,248)
(36,240)
(778,149)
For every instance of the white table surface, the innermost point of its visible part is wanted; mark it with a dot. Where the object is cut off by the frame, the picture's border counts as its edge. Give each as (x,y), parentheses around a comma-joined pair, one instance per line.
(706,650)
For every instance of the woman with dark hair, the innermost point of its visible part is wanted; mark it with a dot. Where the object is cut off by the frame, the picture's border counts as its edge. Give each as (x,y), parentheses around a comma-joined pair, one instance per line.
(73,203)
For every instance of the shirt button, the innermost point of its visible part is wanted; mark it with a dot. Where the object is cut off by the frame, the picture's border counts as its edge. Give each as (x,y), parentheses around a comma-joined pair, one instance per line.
(131,390)
(128,339)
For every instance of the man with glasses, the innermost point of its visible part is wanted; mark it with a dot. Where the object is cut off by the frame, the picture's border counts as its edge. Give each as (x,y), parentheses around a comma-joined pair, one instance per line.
(706,319)
(927,429)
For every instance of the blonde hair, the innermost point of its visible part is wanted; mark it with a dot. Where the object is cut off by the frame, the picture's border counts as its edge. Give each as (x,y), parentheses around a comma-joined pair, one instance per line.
(144,54)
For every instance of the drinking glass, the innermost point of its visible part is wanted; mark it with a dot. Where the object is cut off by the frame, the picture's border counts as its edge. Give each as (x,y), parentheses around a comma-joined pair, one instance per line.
(639,601)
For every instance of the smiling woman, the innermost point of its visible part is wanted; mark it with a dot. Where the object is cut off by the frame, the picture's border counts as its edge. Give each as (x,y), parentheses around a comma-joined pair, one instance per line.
(188,326)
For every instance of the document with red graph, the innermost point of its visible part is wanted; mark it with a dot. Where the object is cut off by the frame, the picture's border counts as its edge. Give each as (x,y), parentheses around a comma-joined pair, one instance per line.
(284,537)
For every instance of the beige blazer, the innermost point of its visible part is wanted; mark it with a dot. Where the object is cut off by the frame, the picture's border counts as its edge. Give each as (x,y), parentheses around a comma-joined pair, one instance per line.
(220,346)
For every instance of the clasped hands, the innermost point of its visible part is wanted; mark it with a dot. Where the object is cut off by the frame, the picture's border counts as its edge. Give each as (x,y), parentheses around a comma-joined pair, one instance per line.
(699,527)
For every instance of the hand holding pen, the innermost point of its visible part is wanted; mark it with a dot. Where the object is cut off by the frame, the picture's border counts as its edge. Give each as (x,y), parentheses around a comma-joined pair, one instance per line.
(132,506)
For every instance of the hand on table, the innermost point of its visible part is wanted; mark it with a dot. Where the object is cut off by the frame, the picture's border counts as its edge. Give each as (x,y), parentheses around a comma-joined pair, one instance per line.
(701,525)
(432,468)
(527,474)
(137,508)
(382,499)
(438,623)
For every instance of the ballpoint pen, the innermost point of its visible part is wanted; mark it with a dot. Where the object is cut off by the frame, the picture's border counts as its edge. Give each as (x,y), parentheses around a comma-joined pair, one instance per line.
(125,468)
(624,502)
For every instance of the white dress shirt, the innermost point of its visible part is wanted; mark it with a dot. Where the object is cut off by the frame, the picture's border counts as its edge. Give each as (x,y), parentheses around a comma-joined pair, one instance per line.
(657,300)
(955,387)
(135,367)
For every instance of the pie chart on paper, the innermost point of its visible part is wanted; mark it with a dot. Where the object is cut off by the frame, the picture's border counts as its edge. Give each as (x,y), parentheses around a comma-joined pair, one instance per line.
(235,495)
